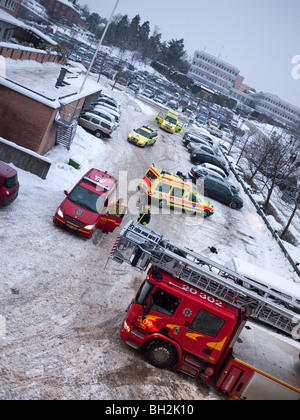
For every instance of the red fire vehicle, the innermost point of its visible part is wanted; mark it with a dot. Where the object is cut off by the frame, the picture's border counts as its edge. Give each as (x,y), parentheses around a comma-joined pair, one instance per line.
(91,205)
(194,315)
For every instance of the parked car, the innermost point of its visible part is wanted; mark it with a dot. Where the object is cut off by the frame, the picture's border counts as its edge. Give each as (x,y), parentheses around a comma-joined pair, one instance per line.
(90,205)
(110,110)
(9,184)
(148,93)
(214,131)
(207,149)
(188,113)
(201,119)
(99,127)
(143,136)
(173,104)
(105,102)
(161,99)
(134,87)
(200,156)
(201,171)
(191,147)
(220,190)
(213,168)
(122,82)
(109,101)
(196,138)
(226,133)
(105,115)
(110,98)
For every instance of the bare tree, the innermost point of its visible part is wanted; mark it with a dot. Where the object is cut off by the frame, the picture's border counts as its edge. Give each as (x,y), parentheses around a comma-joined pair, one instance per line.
(296,207)
(282,164)
(258,153)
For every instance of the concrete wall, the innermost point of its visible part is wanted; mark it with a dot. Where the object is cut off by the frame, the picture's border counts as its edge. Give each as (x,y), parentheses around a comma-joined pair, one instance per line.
(23,159)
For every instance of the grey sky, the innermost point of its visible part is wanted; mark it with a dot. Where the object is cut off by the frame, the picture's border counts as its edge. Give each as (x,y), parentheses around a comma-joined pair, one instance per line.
(260,37)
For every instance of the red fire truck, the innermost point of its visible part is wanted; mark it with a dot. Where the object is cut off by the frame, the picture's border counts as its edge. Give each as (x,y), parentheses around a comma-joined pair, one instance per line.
(196,316)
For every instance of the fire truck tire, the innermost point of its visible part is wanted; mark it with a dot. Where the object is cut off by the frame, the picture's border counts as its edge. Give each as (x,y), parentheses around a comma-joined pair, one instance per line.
(162,354)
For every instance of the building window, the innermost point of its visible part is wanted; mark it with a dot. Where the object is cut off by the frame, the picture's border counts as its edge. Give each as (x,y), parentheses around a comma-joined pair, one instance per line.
(9,4)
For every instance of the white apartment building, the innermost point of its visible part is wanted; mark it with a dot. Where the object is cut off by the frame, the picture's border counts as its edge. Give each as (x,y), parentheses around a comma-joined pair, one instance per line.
(213,72)
(278,109)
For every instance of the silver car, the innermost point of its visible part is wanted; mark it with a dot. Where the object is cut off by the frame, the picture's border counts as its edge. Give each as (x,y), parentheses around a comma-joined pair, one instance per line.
(101,128)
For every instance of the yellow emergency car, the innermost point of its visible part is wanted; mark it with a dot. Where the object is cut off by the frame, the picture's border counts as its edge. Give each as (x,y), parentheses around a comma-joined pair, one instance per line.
(169,122)
(167,189)
(143,136)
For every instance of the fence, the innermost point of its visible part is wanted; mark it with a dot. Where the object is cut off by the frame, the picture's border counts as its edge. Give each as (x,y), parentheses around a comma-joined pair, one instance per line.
(24,159)
(30,54)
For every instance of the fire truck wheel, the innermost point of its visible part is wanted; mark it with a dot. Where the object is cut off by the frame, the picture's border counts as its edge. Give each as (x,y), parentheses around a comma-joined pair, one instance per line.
(161,354)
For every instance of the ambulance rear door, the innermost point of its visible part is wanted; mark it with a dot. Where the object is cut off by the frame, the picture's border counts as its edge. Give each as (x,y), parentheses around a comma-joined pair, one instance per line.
(160,117)
(179,127)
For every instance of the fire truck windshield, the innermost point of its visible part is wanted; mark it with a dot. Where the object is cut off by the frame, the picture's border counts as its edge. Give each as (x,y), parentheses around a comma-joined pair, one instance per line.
(144,292)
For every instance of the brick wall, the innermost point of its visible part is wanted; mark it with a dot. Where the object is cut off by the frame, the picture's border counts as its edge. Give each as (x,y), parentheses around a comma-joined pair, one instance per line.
(17,54)
(26,122)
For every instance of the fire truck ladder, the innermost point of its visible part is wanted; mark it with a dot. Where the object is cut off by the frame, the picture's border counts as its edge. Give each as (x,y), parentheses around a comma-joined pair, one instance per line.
(139,246)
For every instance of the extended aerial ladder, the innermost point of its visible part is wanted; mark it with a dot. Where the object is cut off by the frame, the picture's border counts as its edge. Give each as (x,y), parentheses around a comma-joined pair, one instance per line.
(139,246)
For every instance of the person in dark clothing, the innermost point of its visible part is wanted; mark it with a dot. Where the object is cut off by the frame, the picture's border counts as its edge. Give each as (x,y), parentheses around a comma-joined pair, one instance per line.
(145,217)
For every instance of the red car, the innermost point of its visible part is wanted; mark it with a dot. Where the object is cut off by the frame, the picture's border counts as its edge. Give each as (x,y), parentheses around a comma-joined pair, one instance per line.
(90,205)
(9,184)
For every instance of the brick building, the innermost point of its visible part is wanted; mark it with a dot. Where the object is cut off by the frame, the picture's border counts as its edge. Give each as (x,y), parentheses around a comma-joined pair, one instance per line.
(34,112)
(8,22)
(11,6)
(64,10)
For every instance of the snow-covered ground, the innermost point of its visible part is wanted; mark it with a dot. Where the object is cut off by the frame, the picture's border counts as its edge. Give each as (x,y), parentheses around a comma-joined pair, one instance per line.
(62,302)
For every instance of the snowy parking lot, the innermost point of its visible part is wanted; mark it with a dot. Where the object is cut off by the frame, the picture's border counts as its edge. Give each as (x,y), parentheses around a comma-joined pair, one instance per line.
(63,301)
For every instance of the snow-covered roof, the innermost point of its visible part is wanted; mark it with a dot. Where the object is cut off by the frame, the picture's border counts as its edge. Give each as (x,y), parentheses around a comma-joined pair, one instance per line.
(7,18)
(37,81)
(70,4)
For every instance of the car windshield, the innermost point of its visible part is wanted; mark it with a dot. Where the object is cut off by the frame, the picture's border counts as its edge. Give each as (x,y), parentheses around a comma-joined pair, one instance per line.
(143,133)
(170,119)
(87,199)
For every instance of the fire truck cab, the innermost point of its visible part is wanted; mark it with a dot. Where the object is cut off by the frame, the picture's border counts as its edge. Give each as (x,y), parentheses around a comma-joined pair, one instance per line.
(177,325)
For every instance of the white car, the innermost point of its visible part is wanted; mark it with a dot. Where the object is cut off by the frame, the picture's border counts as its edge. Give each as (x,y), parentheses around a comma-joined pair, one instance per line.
(111,111)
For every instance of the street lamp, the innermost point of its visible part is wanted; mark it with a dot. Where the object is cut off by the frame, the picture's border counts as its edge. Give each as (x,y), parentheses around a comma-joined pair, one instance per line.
(99,46)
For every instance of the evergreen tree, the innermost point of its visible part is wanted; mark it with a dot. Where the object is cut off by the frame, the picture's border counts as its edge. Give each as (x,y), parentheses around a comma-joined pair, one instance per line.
(133,32)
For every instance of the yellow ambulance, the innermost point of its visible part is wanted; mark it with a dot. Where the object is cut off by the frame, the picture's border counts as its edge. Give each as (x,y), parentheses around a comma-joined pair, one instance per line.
(169,122)
(167,189)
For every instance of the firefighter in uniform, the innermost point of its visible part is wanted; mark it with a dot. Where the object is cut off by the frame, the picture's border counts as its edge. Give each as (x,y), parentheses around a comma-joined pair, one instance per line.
(145,217)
